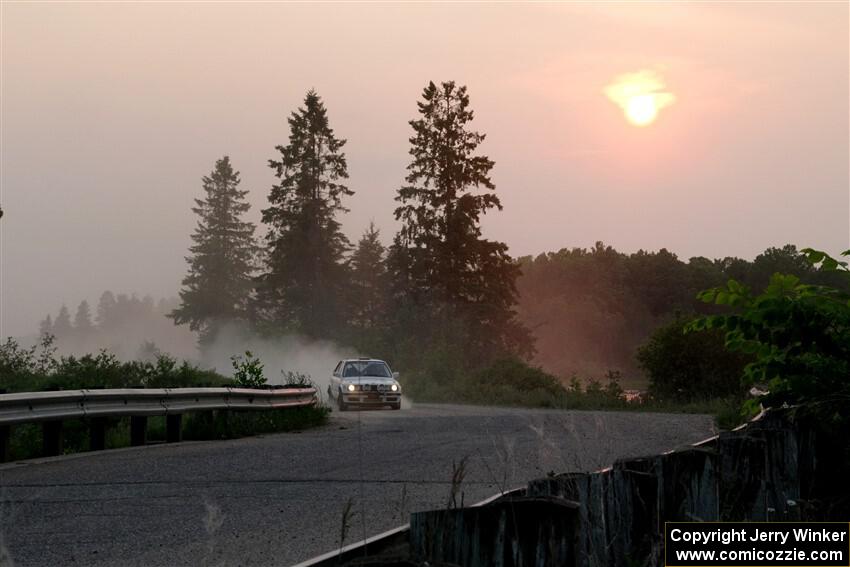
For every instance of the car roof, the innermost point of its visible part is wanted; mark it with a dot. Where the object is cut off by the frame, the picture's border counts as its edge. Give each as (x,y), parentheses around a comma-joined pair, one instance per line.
(363,360)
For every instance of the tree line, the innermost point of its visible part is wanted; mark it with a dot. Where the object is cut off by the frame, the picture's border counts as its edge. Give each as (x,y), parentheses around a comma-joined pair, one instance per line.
(591,309)
(440,284)
(127,325)
(441,300)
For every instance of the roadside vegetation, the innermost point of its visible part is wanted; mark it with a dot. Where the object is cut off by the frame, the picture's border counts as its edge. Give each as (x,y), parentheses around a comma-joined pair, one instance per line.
(512,382)
(786,334)
(797,337)
(39,369)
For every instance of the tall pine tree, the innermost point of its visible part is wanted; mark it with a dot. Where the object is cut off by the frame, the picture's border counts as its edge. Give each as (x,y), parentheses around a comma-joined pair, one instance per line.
(105,311)
(82,319)
(62,324)
(217,290)
(369,285)
(439,257)
(302,287)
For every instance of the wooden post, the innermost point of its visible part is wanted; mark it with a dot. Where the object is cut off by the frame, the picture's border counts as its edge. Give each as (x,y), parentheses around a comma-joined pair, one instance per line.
(511,531)
(52,438)
(138,429)
(97,434)
(173,427)
(5,434)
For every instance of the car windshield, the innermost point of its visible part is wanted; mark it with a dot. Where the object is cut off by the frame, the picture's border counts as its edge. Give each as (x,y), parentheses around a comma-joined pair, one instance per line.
(366,368)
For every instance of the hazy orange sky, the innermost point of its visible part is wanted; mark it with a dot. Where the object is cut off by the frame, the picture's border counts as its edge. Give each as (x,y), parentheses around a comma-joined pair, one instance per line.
(111,113)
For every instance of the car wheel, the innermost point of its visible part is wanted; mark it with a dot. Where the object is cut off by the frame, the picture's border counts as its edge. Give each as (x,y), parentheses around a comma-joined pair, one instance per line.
(340,403)
(396,406)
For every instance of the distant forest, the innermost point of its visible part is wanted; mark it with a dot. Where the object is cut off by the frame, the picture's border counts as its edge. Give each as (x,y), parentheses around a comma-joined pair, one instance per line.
(440,302)
(588,309)
(129,326)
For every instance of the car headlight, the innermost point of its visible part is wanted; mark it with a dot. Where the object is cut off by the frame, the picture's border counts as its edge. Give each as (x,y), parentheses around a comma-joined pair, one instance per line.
(394,387)
(351,387)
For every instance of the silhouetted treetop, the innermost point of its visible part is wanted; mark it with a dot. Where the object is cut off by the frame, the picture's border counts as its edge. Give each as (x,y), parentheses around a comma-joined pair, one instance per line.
(217,290)
(302,287)
(439,256)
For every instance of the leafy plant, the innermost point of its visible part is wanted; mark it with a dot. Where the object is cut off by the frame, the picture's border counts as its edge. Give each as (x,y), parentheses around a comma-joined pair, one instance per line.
(248,370)
(38,359)
(296,379)
(798,334)
(613,389)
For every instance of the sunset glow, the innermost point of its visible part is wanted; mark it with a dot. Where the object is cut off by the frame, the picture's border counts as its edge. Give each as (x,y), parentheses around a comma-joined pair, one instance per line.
(640,95)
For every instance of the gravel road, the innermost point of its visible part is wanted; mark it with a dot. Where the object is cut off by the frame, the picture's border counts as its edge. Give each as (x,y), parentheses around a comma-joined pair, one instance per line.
(278,499)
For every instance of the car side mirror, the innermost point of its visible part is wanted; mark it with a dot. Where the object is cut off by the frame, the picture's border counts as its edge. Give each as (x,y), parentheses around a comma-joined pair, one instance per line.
(395,375)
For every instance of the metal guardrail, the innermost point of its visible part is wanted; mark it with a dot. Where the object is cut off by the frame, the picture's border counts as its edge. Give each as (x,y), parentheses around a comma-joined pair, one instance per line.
(51,408)
(29,407)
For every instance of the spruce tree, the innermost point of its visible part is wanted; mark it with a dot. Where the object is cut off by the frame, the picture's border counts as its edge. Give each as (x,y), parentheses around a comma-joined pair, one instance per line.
(105,310)
(369,282)
(303,284)
(439,257)
(82,319)
(62,325)
(218,287)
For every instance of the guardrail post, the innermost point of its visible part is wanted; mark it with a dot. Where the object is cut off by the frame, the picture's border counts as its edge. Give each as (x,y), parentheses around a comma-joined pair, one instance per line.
(138,429)
(97,434)
(224,416)
(5,434)
(52,439)
(173,426)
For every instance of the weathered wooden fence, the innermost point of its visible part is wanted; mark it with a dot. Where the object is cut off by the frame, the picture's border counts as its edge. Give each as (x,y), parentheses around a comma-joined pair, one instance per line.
(765,470)
(780,466)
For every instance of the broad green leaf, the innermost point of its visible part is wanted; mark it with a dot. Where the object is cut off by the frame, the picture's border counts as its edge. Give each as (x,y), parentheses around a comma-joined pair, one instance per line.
(814,256)
(707,296)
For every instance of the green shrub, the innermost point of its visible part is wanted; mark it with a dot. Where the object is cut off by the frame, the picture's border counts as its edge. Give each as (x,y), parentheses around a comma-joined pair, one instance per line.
(517,376)
(248,371)
(297,379)
(684,367)
(37,369)
(797,336)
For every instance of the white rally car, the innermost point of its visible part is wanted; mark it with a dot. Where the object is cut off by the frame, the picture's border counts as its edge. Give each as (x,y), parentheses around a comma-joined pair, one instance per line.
(364,382)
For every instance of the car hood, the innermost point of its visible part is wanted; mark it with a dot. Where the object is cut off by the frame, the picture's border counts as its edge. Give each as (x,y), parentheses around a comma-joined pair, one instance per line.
(368,380)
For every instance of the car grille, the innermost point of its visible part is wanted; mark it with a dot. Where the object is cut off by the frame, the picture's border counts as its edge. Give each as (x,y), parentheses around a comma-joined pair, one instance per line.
(373,388)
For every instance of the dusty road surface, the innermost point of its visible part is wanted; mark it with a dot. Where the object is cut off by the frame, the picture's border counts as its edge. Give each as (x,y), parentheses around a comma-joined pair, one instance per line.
(278,499)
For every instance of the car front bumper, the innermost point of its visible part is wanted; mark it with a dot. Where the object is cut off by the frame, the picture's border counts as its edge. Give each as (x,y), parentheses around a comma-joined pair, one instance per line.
(372,398)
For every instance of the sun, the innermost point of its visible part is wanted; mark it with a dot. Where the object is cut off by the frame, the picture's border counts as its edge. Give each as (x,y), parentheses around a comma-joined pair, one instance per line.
(641,95)
(641,110)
